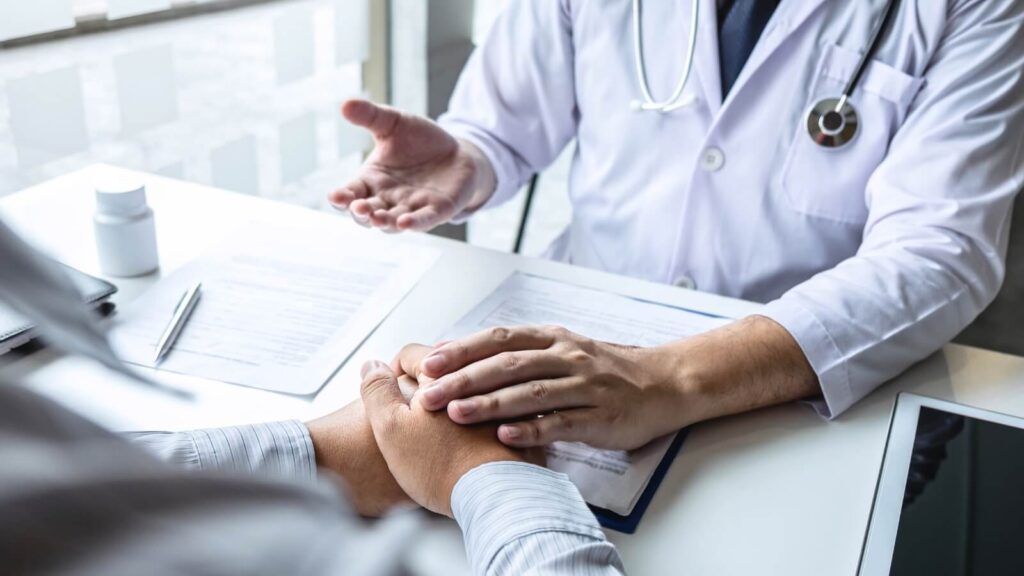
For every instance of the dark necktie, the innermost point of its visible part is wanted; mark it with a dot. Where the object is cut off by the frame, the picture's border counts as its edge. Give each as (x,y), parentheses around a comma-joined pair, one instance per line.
(740,25)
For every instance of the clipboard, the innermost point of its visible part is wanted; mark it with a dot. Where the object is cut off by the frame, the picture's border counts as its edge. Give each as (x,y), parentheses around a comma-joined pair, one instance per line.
(628,524)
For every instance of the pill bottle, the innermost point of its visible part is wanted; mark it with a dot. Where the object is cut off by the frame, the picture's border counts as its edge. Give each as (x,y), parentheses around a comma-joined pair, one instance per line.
(125,229)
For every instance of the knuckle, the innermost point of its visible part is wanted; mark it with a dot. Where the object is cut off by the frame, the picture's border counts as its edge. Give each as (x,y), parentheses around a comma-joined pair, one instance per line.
(539,390)
(510,361)
(600,388)
(490,404)
(552,335)
(566,422)
(459,383)
(457,351)
(612,416)
(500,334)
(558,331)
(443,204)
(409,348)
(578,357)
(376,381)
(417,197)
(410,353)
(532,432)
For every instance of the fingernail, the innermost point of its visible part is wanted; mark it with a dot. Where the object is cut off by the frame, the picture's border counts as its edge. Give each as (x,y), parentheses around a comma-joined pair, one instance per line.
(434,363)
(367,366)
(433,397)
(512,433)
(465,407)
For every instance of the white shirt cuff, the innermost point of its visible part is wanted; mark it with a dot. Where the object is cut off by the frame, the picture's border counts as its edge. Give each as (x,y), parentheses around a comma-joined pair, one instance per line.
(280,449)
(499,503)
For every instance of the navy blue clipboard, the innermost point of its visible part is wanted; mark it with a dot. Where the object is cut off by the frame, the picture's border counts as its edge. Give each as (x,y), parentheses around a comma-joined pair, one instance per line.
(628,524)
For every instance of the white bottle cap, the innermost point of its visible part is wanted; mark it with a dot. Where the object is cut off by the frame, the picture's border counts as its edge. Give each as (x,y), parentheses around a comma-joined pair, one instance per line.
(120,196)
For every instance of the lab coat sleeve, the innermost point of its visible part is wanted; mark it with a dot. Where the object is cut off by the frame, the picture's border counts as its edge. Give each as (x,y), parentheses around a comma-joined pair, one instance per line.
(934,245)
(516,97)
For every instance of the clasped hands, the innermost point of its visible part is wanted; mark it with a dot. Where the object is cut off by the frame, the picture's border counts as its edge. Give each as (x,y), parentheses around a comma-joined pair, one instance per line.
(436,413)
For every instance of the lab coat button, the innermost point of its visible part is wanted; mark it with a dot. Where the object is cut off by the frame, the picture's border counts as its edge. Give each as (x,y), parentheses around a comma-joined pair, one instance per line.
(713,160)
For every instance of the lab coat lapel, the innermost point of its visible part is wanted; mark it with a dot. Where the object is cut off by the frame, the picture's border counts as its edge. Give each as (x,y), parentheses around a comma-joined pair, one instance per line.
(785,22)
(707,58)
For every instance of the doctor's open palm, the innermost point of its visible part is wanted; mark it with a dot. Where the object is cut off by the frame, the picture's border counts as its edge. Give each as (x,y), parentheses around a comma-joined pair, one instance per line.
(418,175)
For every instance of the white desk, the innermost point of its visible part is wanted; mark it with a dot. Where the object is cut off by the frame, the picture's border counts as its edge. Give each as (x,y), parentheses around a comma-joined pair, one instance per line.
(774,492)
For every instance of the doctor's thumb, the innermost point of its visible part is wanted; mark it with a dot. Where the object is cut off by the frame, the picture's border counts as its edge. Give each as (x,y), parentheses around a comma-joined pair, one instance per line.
(379,120)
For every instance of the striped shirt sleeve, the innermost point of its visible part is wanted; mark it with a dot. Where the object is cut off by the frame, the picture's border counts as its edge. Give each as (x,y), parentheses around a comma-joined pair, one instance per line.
(280,449)
(519,518)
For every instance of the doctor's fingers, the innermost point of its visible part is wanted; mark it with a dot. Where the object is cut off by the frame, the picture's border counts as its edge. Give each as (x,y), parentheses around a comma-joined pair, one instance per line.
(429,209)
(421,220)
(522,400)
(484,344)
(579,425)
(344,196)
(494,373)
(392,215)
(365,207)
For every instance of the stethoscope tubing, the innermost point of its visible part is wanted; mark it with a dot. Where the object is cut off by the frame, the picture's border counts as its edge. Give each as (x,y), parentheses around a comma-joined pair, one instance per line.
(843,107)
(675,101)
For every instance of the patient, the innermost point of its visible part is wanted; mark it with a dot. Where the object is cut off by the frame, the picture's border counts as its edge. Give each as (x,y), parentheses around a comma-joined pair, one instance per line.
(260,499)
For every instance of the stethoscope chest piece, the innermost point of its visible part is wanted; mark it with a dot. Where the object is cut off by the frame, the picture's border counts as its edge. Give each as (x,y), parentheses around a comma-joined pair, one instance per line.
(833,123)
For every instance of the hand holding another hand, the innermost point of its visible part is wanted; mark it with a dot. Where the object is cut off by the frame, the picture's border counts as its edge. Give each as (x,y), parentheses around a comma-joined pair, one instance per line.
(606,395)
(425,451)
(343,442)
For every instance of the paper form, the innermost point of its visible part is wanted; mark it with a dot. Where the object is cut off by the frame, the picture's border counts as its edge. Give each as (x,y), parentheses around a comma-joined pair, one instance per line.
(613,480)
(280,308)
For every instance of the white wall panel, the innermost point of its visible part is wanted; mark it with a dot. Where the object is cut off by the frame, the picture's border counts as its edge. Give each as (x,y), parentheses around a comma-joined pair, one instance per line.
(352,31)
(47,116)
(234,166)
(293,46)
(298,148)
(146,88)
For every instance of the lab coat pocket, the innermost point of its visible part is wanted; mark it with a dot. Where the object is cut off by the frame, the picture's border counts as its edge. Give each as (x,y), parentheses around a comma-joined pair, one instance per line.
(830,183)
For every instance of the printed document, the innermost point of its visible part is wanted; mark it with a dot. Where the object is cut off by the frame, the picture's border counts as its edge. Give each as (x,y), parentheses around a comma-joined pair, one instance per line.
(280,308)
(613,480)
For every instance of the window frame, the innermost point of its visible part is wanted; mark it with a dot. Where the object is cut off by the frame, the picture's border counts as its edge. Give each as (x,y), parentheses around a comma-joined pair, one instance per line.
(97,22)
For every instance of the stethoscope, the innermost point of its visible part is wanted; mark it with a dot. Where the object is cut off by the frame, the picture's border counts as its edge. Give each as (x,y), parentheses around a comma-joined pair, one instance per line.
(831,123)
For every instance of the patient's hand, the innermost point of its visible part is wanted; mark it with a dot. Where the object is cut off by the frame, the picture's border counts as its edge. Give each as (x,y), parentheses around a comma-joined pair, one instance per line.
(426,452)
(344,443)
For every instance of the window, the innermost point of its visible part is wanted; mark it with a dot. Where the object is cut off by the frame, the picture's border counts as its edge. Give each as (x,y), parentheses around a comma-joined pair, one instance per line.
(245,99)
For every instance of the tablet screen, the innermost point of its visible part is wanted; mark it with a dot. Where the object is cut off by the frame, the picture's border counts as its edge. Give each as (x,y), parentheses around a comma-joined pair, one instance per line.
(963,505)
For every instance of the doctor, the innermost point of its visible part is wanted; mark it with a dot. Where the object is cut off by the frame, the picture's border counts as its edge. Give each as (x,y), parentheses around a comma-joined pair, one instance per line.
(850,164)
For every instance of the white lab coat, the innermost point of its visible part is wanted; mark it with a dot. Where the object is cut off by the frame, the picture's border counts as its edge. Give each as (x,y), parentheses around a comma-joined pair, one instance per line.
(872,256)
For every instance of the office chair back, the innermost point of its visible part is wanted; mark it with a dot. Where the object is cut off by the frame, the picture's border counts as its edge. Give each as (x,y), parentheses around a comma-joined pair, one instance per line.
(1001,326)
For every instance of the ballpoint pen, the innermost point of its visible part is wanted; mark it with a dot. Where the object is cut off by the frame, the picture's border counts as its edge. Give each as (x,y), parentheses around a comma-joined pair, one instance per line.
(182,312)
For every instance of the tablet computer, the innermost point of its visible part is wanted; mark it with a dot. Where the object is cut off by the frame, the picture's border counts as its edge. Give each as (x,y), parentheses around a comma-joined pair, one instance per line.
(950,494)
